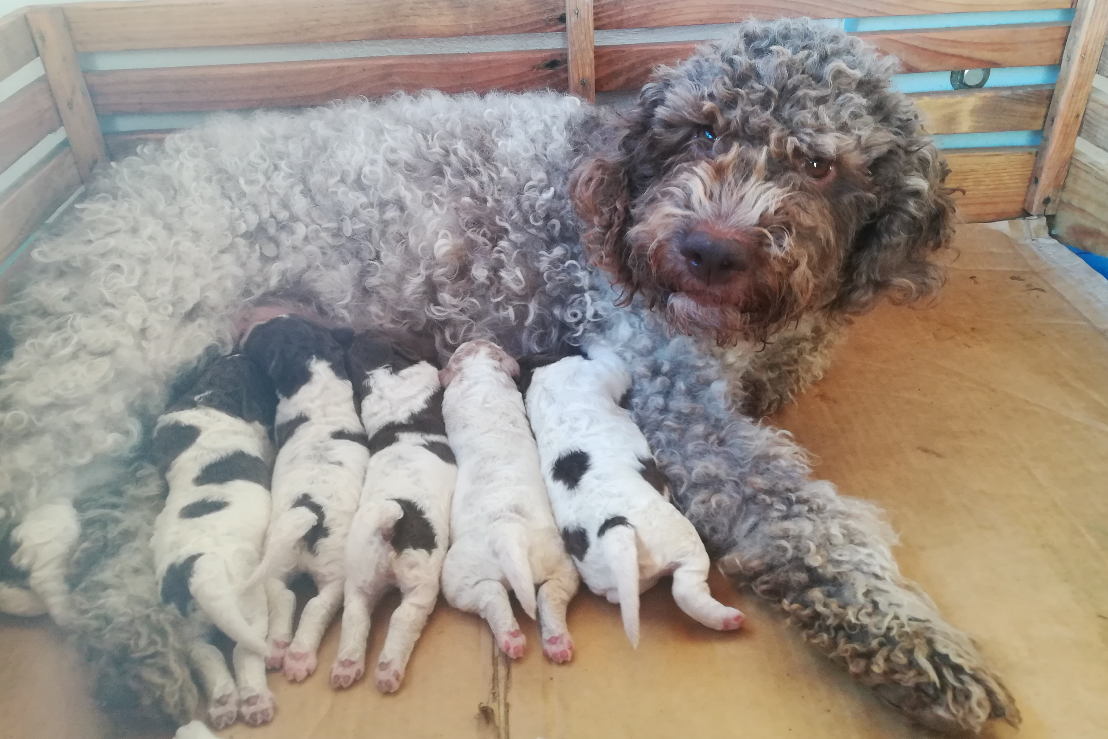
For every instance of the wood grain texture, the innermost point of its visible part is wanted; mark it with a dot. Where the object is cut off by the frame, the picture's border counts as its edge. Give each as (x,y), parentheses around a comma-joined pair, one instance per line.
(1063,120)
(16,47)
(579,32)
(985,110)
(123,145)
(1094,125)
(67,82)
(928,50)
(35,195)
(1082,218)
(653,13)
(994,180)
(294,84)
(159,24)
(25,118)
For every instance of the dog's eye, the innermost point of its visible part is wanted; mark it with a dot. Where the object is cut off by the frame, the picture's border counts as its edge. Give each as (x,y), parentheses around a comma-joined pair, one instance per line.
(706,134)
(816,168)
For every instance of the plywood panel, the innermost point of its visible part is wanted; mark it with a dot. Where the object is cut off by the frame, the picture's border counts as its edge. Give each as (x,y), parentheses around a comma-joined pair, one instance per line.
(161,24)
(994,180)
(25,118)
(34,196)
(985,110)
(1094,125)
(16,47)
(1082,218)
(288,84)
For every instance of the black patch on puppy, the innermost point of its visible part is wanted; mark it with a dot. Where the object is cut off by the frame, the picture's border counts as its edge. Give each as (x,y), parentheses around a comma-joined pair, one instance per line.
(654,475)
(202,507)
(170,440)
(576,541)
(286,429)
(441,450)
(428,421)
(285,347)
(413,530)
(358,437)
(233,385)
(175,584)
(569,468)
(319,529)
(235,466)
(9,572)
(611,523)
(625,400)
(528,364)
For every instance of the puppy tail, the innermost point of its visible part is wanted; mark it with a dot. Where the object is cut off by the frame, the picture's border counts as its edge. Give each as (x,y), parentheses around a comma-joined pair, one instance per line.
(511,549)
(211,586)
(370,540)
(621,551)
(280,544)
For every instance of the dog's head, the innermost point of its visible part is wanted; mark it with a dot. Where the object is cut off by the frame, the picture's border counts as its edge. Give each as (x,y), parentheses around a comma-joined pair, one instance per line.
(770,175)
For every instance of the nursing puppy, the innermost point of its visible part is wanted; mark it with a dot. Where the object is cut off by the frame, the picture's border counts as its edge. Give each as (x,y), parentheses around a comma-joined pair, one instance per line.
(402,527)
(502,529)
(213,447)
(317,478)
(608,495)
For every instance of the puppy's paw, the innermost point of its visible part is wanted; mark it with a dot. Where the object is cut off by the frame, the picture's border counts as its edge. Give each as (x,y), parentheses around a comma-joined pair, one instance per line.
(299,664)
(388,677)
(558,648)
(257,708)
(513,643)
(732,620)
(346,672)
(223,710)
(276,658)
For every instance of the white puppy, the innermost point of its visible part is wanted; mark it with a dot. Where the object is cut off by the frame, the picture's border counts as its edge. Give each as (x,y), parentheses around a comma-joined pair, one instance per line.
(609,497)
(502,529)
(321,462)
(402,528)
(213,447)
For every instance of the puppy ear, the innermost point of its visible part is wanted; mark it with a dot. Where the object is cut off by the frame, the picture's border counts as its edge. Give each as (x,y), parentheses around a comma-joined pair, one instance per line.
(914,219)
(446,374)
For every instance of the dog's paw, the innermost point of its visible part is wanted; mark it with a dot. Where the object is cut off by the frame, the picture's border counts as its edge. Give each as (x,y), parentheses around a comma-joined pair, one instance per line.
(388,677)
(558,648)
(513,643)
(257,708)
(223,710)
(732,620)
(276,658)
(346,672)
(298,665)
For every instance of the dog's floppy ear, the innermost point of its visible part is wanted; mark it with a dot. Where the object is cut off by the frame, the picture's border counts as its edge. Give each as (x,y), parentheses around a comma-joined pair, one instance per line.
(914,218)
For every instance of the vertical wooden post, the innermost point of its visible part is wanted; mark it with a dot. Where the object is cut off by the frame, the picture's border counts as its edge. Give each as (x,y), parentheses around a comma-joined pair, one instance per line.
(55,46)
(1075,81)
(579,31)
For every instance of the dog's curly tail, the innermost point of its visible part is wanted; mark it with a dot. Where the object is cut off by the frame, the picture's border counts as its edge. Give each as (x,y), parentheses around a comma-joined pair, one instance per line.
(511,549)
(280,544)
(621,551)
(210,585)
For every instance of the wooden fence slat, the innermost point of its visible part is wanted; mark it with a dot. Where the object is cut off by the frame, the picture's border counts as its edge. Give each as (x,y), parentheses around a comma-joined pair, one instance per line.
(16,47)
(67,82)
(25,118)
(1082,218)
(292,84)
(172,24)
(986,110)
(35,195)
(1094,126)
(928,50)
(579,32)
(995,181)
(654,13)
(1075,81)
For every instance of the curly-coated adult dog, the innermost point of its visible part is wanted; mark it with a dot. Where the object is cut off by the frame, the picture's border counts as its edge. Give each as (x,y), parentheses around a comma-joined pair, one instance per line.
(758,194)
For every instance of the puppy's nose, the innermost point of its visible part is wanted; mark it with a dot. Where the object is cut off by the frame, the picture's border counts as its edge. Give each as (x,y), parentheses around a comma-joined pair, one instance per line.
(713,259)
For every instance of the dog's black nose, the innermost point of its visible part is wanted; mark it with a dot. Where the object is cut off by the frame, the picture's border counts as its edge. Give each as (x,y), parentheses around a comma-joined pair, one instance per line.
(713,259)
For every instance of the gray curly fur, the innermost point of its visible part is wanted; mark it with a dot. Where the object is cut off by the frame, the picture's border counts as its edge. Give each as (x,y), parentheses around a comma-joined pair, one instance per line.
(447,219)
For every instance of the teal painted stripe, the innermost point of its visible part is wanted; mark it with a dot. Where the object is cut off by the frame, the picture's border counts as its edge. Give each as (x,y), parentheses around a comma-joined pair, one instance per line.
(1003,77)
(957,20)
(988,140)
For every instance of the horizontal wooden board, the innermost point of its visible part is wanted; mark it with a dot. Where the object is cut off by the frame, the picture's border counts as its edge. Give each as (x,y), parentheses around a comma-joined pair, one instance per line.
(654,13)
(17,48)
(163,24)
(994,180)
(928,50)
(35,196)
(1094,125)
(123,145)
(25,118)
(1082,218)
(292,84)
(985,110)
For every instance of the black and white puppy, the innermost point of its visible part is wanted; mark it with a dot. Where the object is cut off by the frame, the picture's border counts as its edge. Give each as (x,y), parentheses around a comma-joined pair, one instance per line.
(317,479)
(609,497)
(502,529)
(402,528)
(213,447)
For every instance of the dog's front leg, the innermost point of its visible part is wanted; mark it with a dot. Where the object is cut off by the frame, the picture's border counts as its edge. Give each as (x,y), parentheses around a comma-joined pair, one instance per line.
(823,557)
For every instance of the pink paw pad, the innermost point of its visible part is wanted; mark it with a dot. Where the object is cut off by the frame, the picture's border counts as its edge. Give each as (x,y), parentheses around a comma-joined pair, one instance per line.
(298,665)
(513,643)
(276,656)
(223,711)
(732,622)
(257,709)
(388,678)
(346,672)
(558,648)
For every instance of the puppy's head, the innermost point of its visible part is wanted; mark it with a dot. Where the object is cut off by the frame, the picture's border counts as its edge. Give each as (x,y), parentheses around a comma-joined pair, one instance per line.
(770,175)
(478,351)
(285,346)
(234,385)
